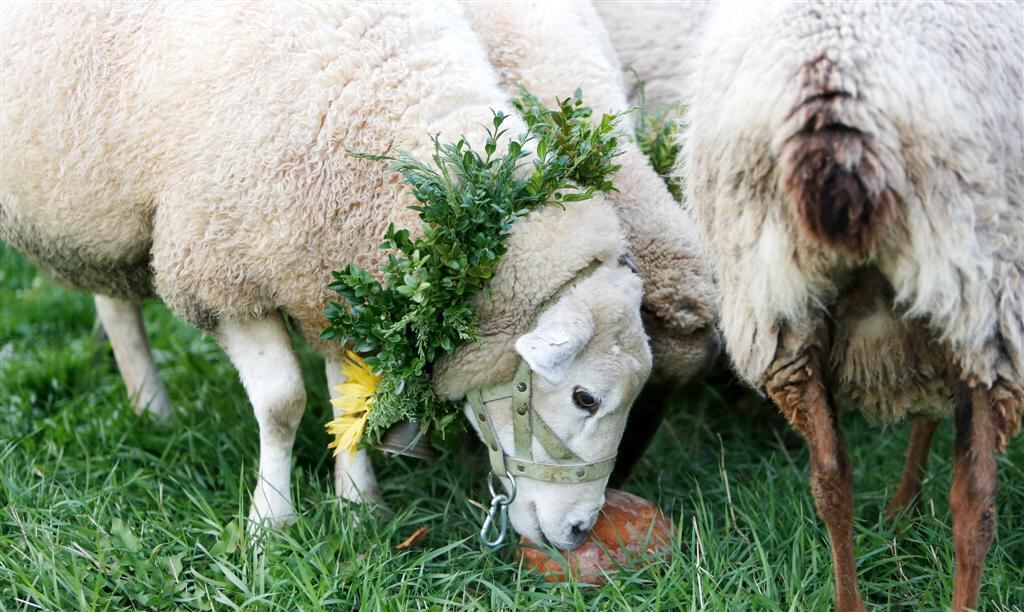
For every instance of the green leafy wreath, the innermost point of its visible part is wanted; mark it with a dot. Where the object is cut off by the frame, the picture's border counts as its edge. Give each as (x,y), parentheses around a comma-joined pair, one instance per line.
(468,202)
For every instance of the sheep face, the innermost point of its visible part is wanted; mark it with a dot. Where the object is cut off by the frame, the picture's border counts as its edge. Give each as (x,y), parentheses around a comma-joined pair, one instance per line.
(589,358)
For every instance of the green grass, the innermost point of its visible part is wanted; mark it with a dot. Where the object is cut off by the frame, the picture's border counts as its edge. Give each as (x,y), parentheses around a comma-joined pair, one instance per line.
(100,509)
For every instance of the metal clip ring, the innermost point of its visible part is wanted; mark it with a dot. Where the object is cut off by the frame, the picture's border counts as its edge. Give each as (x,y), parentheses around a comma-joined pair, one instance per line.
(512,484)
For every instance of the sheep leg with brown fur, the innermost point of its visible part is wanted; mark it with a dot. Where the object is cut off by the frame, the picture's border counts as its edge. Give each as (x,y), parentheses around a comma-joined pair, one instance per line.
(906,497)
(798,389)
(973,495)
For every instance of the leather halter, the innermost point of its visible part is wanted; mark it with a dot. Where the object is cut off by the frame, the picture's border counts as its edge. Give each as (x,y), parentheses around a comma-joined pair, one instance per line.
(527,425)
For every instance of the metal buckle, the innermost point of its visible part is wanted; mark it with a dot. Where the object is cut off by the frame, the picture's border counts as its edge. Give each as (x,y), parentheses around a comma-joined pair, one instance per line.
(497,517)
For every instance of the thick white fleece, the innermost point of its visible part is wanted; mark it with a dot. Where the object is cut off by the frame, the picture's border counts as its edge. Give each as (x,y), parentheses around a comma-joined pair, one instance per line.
(657,43)
(202,148)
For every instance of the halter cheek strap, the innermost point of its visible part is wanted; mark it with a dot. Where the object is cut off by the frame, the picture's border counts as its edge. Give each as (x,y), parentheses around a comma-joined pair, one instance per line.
(527,426)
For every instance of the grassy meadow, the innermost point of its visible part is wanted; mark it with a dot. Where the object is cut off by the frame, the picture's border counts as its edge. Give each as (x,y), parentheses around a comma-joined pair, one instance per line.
(100,509)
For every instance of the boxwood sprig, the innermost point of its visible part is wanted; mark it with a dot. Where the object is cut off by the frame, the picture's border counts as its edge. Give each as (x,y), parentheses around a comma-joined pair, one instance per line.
(468,201)
(657,137)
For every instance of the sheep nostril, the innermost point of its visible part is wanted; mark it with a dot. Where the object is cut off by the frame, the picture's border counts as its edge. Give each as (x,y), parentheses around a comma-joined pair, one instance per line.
(580,529)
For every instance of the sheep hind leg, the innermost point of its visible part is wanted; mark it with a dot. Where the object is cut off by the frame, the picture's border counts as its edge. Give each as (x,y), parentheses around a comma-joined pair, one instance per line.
(124,327)
(973,495)
(906,497)
(799,391)
(354,479)
(262,353)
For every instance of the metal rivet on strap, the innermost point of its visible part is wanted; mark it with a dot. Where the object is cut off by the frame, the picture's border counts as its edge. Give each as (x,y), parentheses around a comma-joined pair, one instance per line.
(521,468)
(581,472)
(521,387)
(482,417)
(522,410)
(494,448)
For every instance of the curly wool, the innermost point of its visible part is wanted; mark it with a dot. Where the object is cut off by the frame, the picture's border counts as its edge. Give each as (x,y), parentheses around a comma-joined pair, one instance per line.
(209,142)
(917,108)
(657,43)
(678,302)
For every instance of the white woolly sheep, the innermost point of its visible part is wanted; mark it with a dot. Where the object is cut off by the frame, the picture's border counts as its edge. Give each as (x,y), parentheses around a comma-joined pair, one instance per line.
(657,42)
(858,173)
(678,304)
(198,152)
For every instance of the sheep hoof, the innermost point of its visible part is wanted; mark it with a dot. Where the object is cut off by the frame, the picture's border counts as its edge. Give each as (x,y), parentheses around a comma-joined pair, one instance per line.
(269,512)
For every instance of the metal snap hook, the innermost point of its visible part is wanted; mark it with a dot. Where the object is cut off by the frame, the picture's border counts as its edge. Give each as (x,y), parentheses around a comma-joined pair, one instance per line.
(496,522)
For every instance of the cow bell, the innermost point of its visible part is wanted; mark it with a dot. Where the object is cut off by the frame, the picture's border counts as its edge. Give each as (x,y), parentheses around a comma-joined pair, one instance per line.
(406,438)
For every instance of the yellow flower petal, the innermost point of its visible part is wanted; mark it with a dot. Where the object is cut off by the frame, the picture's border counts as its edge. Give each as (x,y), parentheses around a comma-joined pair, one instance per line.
(354,401)
(347,434)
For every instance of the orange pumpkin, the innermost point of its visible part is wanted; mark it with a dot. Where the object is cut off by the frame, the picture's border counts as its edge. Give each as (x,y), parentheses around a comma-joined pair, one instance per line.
(630,529)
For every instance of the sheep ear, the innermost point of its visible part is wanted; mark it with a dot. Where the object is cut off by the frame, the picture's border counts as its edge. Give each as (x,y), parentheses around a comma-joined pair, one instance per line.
(551,347)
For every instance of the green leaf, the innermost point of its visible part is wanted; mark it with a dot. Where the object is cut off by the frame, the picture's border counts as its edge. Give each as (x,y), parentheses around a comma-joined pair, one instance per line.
(127,537)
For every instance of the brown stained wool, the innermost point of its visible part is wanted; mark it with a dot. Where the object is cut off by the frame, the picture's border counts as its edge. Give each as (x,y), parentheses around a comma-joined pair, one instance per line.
(913,378)
(830,168)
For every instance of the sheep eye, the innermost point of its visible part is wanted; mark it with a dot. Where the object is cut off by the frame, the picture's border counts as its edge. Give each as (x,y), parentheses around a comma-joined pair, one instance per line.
(585,400)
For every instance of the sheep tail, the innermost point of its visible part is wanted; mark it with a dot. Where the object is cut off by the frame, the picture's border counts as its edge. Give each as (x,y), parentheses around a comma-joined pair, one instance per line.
(835,172)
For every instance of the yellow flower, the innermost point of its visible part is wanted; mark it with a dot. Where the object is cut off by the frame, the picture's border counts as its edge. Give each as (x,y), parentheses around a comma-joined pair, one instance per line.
(354,401)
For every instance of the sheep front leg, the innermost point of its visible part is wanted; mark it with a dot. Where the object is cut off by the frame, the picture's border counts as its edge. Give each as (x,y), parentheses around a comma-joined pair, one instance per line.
(906,496)
(262,353)
(123,323)
(354,479)
(973,495)
(644,419)
(797,387)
